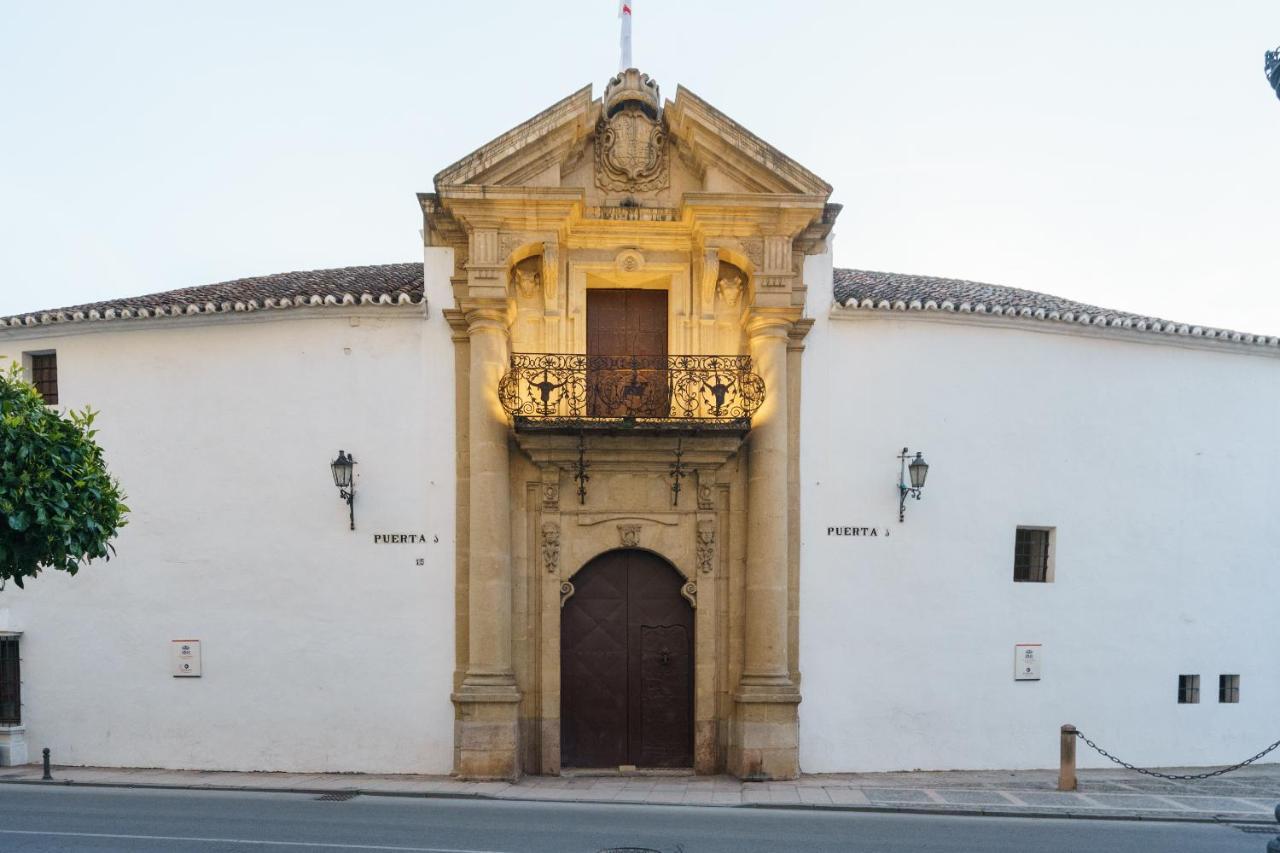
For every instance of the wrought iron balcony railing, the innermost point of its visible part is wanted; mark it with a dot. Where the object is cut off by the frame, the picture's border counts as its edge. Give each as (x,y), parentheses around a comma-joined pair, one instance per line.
(566,390)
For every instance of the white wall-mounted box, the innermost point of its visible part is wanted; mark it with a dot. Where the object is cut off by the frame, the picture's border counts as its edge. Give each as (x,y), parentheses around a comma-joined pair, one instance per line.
(1026,662)
(186,658)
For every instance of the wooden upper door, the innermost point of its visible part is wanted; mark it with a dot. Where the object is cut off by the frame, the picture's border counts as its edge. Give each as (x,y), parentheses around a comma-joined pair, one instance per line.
(626,665)
(626,353)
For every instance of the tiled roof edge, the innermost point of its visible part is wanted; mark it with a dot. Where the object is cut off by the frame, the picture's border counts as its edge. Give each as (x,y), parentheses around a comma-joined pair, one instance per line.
(263,293)
(1053,311)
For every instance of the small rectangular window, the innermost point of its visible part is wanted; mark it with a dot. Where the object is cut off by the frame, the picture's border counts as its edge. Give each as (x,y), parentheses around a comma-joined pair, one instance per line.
(1188,689)
(1229,688)
(43,370)
(1031,554)
(10,683)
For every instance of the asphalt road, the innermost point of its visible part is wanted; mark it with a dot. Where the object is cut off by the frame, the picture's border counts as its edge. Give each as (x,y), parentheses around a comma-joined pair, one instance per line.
(99,820)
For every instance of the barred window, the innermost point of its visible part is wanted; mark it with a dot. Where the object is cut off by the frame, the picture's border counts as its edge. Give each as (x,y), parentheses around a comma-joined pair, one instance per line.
(44,375)
(1188,689)
(1229,689)
(1031,555)
(10,683)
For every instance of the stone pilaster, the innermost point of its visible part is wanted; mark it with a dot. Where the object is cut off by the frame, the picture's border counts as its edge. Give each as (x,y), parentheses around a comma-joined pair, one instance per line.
(487,701)
(763,735)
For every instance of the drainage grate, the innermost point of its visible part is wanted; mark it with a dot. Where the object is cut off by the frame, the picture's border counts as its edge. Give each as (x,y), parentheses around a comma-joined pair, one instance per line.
(338,796)
(1259,828)
(630,850)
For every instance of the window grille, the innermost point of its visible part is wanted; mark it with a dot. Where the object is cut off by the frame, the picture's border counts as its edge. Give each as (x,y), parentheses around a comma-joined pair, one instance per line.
(1229,689)
(10,683)
(1188,689)
(1031,555)
(44,375)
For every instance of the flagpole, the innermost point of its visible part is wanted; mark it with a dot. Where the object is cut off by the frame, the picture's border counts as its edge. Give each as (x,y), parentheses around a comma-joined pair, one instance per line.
(624,12)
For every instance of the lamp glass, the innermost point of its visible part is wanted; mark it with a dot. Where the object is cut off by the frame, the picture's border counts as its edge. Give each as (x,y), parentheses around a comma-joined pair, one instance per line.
(919,470)
(342,470)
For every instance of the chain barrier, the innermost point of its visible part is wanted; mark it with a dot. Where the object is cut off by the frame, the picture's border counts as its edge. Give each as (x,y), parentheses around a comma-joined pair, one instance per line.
(1181,777)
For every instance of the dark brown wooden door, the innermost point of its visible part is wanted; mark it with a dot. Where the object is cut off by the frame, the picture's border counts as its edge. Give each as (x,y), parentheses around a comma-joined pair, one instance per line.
(626,665)
(626,353)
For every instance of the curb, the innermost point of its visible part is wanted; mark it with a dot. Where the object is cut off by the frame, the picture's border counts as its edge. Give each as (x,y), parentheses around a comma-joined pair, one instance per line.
(942,811)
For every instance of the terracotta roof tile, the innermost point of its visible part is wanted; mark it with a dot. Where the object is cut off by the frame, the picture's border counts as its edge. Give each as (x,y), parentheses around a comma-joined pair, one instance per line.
(886,291)
(384,284)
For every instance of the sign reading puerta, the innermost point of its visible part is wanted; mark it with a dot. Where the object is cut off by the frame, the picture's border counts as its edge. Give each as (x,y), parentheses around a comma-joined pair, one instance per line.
(858,531)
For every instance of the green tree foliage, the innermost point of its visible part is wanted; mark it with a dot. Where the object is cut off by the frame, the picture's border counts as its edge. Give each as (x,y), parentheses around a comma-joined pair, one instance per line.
(59,506)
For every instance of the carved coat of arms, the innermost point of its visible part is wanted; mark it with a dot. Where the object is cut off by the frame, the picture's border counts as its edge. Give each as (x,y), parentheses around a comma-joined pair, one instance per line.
(631,152)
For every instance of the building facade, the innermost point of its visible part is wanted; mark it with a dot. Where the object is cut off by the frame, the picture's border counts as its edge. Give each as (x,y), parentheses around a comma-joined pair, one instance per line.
(627,494)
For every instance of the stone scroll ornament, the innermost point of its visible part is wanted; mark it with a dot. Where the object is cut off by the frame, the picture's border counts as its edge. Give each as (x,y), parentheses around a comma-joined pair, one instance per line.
(631,152)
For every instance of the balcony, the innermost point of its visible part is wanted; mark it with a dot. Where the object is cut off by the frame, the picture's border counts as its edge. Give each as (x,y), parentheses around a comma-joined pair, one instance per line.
(559,392)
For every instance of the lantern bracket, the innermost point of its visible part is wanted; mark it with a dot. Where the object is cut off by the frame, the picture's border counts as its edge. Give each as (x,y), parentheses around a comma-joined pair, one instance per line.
(917,469)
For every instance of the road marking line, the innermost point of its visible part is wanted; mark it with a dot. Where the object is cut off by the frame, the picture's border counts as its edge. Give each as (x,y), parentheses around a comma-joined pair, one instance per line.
(245,841)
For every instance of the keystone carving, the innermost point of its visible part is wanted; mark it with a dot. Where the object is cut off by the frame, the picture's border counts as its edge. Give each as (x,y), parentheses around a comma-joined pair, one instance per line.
(630,534)
(551,546)
(706,546)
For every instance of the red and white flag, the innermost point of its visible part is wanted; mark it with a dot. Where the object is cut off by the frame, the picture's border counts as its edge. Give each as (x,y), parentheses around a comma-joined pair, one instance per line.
(624,13)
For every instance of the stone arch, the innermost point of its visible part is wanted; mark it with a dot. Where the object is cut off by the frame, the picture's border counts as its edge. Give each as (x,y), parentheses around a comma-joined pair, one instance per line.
(675,565)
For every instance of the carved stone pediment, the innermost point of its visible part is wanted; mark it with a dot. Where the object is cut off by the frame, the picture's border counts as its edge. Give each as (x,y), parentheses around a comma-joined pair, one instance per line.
(631,152)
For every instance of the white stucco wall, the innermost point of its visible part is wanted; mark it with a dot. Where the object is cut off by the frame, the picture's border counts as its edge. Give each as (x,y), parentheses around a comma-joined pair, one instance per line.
(1157,464)
(322,651)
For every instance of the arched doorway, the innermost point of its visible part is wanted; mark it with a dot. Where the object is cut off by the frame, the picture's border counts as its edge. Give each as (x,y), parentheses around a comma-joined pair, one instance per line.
(626,665)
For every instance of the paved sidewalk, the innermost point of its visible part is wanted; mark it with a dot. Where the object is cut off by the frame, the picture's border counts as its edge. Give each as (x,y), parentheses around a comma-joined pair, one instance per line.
(1249,795)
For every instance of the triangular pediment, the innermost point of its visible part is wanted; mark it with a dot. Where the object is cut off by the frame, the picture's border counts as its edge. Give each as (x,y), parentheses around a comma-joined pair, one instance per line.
(565,146)
(519,156)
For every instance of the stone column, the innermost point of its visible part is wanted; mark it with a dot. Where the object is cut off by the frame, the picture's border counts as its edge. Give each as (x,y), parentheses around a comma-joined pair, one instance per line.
(763,740)
(488,698)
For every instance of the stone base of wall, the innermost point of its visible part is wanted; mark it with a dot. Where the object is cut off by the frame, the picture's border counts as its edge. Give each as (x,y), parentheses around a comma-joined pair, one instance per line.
(488,732)
(13,746)
(764,735)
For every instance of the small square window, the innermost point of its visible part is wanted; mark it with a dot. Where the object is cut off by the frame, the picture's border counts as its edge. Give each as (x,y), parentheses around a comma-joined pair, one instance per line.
(1032,555)
(1229,689)
(42,368)
(1188,689)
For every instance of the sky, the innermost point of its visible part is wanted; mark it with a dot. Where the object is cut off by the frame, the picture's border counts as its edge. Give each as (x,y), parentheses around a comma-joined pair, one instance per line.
(1125,154)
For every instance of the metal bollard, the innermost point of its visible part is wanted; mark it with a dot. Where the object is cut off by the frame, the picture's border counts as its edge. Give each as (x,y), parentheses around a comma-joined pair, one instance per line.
(1273,846)
(48,777)
(1067,761)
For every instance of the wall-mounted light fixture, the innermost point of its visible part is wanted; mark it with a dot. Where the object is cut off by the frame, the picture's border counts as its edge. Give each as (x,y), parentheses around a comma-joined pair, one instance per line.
(341,468)
(918,469)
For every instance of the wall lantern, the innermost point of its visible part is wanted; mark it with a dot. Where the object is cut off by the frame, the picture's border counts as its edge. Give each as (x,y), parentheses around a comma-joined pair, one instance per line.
(917,469)
(1272,65)
(342,479)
